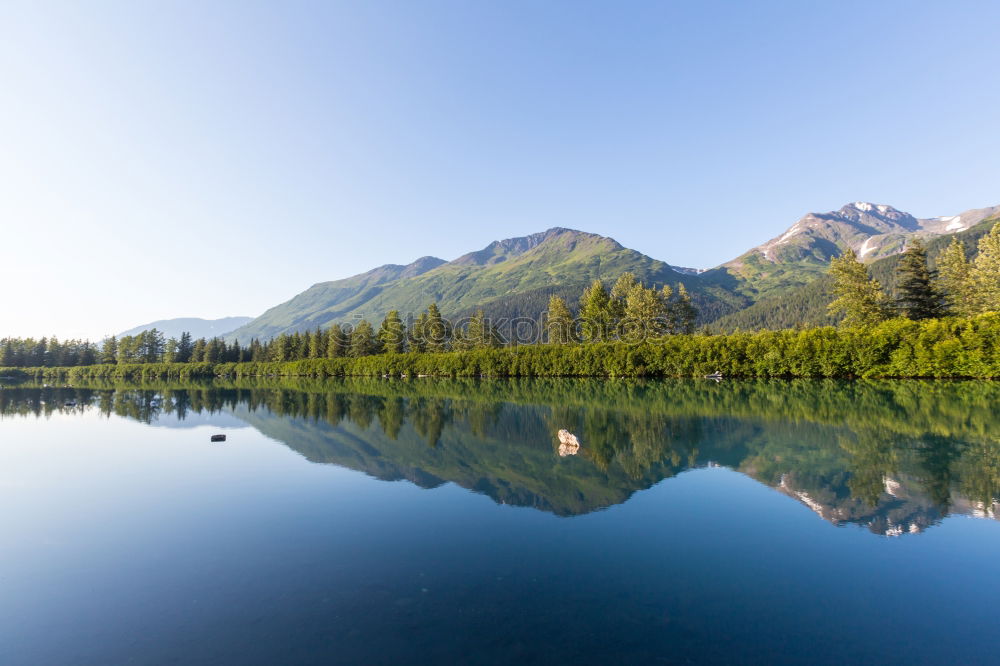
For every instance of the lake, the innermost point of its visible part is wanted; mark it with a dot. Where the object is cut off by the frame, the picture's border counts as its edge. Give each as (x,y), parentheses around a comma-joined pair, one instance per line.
(431,521)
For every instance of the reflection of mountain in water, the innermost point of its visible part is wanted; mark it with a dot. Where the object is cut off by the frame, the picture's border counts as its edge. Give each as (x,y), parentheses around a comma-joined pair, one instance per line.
(895,457)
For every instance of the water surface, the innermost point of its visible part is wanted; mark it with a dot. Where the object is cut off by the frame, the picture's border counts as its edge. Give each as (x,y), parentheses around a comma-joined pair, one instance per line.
(433,521)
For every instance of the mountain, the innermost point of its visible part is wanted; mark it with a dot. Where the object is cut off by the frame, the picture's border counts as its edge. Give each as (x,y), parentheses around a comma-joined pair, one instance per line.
(198,328)
(803,252)
(777,283)
(508,278)
(805,304)
(320,304)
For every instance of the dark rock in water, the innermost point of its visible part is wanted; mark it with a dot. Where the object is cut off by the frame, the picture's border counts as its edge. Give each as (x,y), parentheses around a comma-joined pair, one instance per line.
(218,438)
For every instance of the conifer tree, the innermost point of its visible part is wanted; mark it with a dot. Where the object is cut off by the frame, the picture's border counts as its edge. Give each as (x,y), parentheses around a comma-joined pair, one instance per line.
(559,323)
(362,340)
(300,346)
(7,358)
(954,280)
(150,346)
(392,333)
(417,334)
(986,272)
(622,289)
(682,312)
(480,334)
(436,331)
(198,351)
(858,297)
(317,348)
(644,314)
(88,354)
(212,351)
(595,313)
(170,351)
(37,357)
(183,354)
(918,298)
(109,350)
(336,342)
(53,353)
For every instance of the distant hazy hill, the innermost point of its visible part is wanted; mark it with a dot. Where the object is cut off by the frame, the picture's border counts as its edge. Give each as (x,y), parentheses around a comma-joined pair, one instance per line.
(507,278)
(198,328)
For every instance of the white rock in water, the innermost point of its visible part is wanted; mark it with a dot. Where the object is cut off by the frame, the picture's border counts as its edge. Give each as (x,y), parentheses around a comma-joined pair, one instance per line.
(568,443)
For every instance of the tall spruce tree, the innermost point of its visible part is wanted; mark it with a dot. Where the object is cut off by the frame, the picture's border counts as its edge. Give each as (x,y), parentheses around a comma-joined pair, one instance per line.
(985,273)
(109,350)
(681,312)
(436,330)
(620,291)
(559,323)
(317,344)
(183,354)
(480,334)
(170,351)
(644,314)
(954,280)
(363,341)
(596,316)
(7,354)
(858,297)
(917,296)
(213,351)
(417,334)
(392,333)
(336,342)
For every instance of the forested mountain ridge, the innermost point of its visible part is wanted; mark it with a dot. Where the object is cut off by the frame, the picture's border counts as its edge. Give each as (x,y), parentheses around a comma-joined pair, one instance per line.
(512,277)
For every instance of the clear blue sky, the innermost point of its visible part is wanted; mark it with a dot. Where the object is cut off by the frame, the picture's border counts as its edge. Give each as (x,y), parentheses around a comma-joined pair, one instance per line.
(163,159)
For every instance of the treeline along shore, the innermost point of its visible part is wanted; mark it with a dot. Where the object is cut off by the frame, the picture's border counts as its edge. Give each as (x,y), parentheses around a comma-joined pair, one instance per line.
(952,347)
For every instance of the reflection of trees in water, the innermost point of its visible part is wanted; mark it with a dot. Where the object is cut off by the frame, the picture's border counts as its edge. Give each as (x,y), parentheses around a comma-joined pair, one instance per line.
(979,472)
(429,416)
(848,447)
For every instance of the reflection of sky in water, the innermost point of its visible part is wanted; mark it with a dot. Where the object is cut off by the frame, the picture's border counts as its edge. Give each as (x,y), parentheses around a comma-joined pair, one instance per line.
(123,541)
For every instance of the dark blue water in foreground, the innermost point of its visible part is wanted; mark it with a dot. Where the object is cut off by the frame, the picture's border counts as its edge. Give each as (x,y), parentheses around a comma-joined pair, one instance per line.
(436,522)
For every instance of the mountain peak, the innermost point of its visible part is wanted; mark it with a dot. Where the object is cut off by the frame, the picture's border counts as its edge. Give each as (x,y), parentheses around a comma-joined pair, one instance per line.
(878,218)
(502,250)
(868,207)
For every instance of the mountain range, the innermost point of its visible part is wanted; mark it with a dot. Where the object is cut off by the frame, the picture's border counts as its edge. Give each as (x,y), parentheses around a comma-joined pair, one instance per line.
(198,328)
(515,277)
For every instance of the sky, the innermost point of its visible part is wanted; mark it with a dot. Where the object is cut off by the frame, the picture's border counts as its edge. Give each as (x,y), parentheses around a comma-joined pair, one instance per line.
(207,159)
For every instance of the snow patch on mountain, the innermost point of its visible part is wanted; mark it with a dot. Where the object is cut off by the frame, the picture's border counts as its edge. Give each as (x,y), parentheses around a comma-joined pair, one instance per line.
(866,247)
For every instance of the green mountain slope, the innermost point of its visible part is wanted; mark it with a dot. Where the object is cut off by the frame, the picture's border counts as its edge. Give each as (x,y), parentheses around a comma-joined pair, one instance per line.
(313,307)
(508,278)
(806,304)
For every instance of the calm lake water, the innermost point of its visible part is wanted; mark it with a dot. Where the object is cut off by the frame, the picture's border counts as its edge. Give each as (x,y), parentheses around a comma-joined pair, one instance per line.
(449,522)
